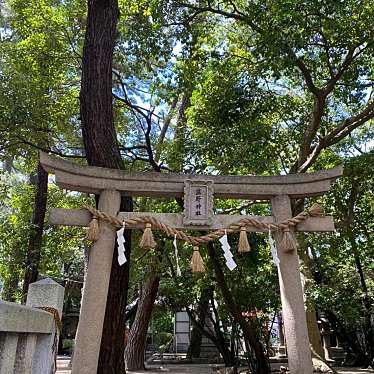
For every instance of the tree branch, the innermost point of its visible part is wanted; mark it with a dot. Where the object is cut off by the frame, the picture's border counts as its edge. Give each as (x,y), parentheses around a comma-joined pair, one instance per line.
(337,134)
(48,150)
(306,74)
(164,129)
(238,16)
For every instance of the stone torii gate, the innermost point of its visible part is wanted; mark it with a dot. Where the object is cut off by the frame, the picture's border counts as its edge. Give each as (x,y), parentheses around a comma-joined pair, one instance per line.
(110,184)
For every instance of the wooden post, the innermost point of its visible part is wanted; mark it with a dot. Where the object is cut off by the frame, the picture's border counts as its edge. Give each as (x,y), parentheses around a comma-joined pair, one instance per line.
(90,327)
(294,318)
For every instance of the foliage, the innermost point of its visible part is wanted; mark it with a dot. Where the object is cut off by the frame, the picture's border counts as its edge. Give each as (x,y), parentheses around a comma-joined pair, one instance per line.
(61,246)
(222,87)
(344,261)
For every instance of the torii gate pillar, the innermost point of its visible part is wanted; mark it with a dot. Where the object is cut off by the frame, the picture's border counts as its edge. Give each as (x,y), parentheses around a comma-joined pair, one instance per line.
(294,317)
(94,298)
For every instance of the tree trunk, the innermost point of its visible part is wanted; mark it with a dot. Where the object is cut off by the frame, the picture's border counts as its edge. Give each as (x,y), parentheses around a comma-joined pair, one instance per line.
(311,318)
(102,149)
(34,247)
(8,164)
(178,159)
(10,286)
(194,348)
(217,338)
(99,134)
(138,332)
(262,364)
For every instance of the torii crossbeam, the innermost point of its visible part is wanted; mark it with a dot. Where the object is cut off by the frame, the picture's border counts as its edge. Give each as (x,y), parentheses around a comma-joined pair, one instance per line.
(110,184)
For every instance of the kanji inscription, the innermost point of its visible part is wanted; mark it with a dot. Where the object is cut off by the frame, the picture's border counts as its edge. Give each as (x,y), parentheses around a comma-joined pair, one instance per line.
(198,202)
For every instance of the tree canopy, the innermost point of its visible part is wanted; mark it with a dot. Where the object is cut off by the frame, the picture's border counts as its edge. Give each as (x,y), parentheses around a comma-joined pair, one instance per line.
(215,87)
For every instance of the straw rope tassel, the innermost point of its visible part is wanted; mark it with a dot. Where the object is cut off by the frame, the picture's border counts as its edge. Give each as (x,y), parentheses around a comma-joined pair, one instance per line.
(288,243)
(197,264)
(316,210)
(147,240)
(93,230)
(243,245)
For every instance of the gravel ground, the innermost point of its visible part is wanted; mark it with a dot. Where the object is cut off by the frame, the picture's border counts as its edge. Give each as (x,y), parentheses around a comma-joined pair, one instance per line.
(63,362)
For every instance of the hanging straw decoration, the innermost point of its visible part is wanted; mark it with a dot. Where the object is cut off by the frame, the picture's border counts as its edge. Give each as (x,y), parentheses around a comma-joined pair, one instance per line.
(93,230)
(243,245)
(147,238)
(197,264)
(316,210)
(288,243)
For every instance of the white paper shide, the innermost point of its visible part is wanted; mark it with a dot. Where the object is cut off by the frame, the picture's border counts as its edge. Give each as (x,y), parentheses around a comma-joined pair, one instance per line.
(121,246)
(227,252)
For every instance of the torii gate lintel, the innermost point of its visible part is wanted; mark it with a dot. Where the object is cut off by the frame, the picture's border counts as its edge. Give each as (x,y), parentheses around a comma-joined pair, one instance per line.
(92,179)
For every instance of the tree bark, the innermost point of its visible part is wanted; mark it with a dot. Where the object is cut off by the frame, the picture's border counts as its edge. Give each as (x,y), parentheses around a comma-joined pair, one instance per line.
(34,247)
(178,159)
(101,146)
(138,332)
(10,286)
(262,364)
(311,317)
(99,134)
(194,348)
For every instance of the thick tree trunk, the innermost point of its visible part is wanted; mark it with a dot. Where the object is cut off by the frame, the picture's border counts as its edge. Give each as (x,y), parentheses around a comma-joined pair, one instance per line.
(34,247)
(138,332)
(96,107)
(262,363)
(102,149)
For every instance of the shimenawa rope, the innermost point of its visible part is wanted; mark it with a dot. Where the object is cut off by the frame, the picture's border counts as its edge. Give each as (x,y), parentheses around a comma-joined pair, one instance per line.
(314,211)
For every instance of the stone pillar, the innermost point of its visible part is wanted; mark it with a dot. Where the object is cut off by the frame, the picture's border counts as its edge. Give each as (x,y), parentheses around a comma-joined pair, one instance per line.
(46,292)
(293,310)
(91,320)
(41,349)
